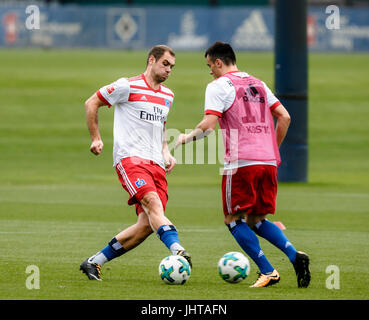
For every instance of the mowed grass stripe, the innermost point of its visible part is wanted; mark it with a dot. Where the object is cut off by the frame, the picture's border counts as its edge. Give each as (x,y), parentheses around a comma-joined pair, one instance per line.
(60,204)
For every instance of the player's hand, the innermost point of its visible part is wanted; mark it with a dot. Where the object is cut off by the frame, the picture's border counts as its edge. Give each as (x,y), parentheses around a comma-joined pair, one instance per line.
(170,162)
(96,147)
(180,140)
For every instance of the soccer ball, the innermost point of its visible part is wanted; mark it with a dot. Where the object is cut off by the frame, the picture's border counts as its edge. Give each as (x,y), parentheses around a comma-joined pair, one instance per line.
(233,267)
(174,270)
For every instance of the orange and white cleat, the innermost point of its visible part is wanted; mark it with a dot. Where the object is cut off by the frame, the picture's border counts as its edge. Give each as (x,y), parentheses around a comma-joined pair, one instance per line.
(265,280)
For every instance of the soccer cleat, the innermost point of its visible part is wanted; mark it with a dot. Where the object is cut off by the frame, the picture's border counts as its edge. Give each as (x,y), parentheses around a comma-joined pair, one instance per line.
(92,270)
(301,266)
(265,280)
(185,255)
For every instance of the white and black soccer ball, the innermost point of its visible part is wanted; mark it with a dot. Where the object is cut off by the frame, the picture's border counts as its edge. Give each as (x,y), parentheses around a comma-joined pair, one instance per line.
(174,270)
(234,267)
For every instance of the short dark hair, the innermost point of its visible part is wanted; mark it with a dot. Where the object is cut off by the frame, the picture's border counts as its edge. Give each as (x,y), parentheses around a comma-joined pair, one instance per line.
(223,51)
(158,51)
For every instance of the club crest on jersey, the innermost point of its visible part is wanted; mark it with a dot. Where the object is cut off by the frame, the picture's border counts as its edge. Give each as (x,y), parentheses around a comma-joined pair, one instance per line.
(167,103)
(140,182)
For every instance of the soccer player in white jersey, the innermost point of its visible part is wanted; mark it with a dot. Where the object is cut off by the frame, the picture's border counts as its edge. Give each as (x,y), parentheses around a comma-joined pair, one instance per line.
(244,107)
(141,154)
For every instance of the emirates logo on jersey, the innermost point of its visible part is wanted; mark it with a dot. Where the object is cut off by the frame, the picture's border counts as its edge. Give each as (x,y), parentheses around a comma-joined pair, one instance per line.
(110,89)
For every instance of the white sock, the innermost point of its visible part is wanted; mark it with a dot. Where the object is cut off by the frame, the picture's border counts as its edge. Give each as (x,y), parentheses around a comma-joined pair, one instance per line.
(98,258)
(175,247)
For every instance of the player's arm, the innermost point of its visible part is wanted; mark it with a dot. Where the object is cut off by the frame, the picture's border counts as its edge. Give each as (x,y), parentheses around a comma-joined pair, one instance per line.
(169,160)
(92,105)
(203,129)
(283,122)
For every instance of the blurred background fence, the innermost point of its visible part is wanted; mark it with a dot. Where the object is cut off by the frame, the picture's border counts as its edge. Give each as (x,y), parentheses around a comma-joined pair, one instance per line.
(183,25)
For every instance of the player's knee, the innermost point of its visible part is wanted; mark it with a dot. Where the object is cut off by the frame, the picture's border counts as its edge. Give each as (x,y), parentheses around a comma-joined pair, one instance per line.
(232,217)
(252,220)
(227,219)
(153,203)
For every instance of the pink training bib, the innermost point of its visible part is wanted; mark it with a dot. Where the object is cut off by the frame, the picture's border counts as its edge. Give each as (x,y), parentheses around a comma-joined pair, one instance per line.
(247,126)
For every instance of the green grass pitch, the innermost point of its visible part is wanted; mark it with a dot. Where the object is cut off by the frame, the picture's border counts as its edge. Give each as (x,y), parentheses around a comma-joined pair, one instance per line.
(59,203)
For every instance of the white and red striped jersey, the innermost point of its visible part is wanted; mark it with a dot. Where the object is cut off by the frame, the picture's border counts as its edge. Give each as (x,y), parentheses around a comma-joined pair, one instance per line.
(139,117)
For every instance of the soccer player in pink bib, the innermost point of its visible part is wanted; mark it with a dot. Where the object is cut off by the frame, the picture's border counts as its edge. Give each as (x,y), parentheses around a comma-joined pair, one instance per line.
(245,107)
(140,153)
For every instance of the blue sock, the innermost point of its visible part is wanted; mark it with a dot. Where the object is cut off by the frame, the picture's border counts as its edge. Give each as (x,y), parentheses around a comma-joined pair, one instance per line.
(113,250)
(269,231)
(249,242)
(169,236)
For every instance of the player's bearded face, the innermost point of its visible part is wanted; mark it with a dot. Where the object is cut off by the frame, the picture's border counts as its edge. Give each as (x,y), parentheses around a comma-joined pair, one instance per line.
(162,68)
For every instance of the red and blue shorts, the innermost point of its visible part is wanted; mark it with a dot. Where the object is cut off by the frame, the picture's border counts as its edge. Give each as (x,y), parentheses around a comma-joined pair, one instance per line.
(138,177)
(250,189)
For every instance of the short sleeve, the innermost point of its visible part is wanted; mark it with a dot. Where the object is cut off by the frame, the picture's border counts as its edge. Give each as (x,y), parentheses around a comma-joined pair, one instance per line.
(114,93)
(219,96)
(273,101)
